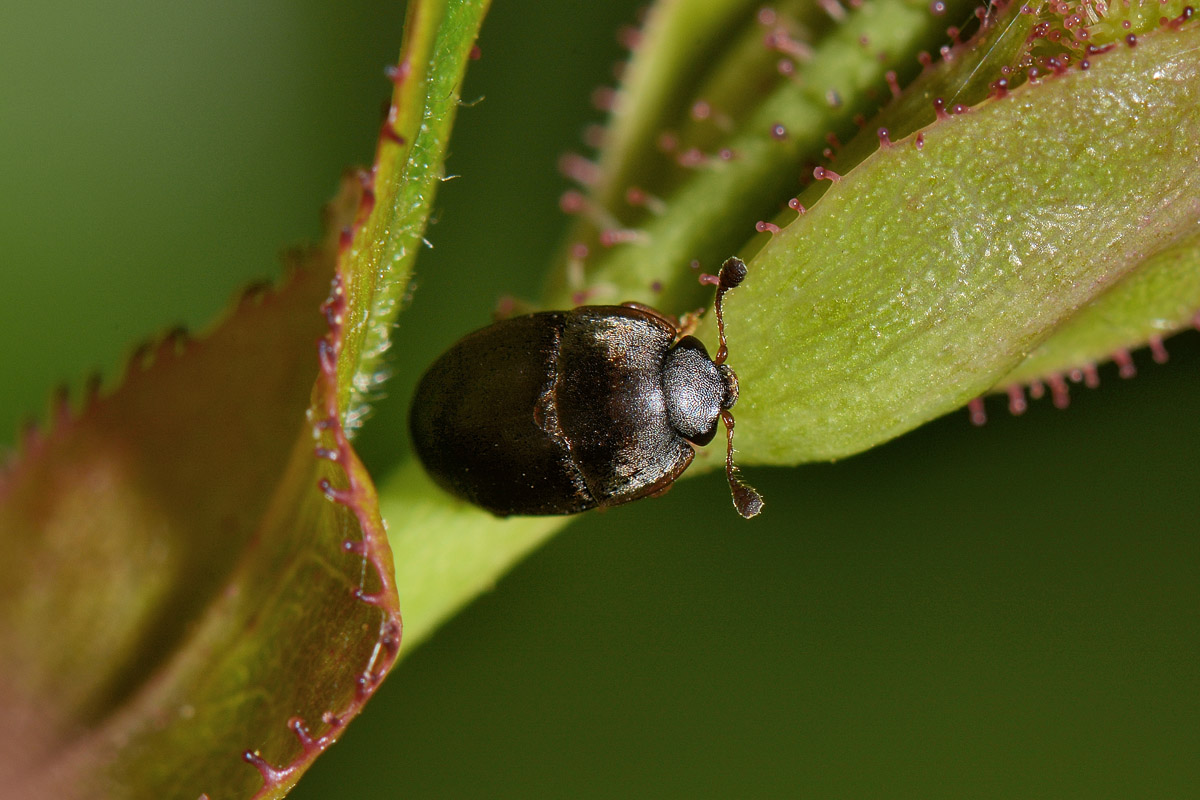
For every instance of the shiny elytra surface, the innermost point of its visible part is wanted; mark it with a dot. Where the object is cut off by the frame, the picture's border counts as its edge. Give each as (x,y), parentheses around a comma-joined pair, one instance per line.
(552,413)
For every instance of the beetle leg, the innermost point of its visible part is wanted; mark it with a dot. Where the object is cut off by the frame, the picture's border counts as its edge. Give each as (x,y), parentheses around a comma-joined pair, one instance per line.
(689,322)
(654,312)
(660,492)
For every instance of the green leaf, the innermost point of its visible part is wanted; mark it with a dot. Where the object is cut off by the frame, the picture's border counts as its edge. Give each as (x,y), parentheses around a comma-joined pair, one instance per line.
(168,534)
(203,542)
(1156,300)
(929,272)
(919,280)
(680,49)
(448,551)
(1017,237)
(439,37)
(709,207)
(675,36)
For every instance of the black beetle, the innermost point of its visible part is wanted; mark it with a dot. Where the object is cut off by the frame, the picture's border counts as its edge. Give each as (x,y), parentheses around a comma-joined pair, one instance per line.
(562,411)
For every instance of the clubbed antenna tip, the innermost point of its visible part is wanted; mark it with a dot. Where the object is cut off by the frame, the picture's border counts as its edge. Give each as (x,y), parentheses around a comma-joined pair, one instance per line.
(746,500)
(732,273)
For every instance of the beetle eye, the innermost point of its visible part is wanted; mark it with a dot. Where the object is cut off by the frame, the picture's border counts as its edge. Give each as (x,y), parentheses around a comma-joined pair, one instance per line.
(731,386)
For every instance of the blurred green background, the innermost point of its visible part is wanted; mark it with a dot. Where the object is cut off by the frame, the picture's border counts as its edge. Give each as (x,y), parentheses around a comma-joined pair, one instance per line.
(1006,611)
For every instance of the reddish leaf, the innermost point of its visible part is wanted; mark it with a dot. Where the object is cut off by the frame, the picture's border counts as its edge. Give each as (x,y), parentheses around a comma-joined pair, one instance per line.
(173,573)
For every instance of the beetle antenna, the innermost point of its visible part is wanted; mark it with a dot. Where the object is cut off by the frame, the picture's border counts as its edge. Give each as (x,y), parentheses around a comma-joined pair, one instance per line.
(746,500)
(733,271)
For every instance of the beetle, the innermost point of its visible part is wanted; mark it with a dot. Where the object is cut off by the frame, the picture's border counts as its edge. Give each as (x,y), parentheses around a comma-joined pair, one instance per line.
(562,411)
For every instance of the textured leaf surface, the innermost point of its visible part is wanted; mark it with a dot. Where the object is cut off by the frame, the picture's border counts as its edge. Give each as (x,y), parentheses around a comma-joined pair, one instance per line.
(677,35)
(679,45)
(439,37)
(928,273)
(1158,299)
(713,190)
(196,570)
(922,275)
(157,535)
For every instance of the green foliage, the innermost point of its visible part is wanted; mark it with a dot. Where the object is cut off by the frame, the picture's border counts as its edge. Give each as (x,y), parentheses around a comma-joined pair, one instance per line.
(204,541)
(917,282)
(202,596)
(928,273)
